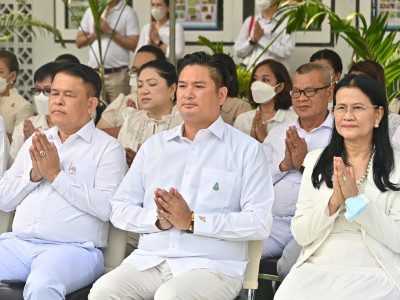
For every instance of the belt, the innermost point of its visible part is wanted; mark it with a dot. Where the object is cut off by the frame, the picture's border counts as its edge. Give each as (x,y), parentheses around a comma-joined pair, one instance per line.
(112,70)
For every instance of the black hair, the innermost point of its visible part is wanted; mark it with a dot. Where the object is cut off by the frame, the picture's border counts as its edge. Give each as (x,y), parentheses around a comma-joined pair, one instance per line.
(383,161)
(218,72)
(158,53)
(11,60)
(283,99)
(67,58)
(370,68)
(48,69)
(233,89)
(165,69)
(88,75)
(331,56)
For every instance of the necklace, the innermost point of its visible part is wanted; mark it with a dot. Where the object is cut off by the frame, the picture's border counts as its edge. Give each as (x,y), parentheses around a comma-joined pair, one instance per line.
(364,177)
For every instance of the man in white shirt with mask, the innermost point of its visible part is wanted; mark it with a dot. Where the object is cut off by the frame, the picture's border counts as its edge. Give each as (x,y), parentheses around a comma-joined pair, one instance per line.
(197,194)
(42,121)
(287,145)
(60,185)
(112,118)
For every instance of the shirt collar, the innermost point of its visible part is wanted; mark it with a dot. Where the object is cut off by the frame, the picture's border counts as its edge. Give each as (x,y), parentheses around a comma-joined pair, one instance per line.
(216,128)
(86,132)
(327,123)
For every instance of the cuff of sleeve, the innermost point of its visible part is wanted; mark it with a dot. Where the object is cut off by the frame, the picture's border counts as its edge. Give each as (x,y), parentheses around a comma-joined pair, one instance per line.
(28,181)
(355,206)
(203,223)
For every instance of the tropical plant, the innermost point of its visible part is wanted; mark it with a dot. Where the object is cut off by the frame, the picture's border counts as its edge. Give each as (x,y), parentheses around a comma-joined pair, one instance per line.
(15,21)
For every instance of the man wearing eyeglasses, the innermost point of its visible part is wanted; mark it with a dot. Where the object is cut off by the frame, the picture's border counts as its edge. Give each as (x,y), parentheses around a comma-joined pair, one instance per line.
(42,121)
(287,145)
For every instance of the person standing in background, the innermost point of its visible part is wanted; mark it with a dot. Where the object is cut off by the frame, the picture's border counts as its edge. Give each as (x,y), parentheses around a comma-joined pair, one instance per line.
(256,34)
(123,19)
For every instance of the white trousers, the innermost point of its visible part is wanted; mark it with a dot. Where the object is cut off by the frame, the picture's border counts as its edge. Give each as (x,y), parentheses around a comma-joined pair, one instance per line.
(51,270)
(127,282)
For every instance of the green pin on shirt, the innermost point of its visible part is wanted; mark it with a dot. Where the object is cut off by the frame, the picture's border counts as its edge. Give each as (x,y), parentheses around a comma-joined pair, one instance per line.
(216,187)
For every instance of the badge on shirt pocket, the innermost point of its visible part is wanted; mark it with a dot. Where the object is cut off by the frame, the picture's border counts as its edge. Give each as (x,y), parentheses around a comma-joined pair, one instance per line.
(215,188)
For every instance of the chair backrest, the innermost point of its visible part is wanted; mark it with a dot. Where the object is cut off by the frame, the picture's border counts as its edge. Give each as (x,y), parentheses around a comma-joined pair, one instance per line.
(114,253)
(6,221)
(251,274)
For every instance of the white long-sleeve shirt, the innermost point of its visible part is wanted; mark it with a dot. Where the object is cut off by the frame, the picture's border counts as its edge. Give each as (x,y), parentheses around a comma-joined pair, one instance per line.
(287,184)
(280,50)
(164,36)
(75,207)
(223,176)
(4,147)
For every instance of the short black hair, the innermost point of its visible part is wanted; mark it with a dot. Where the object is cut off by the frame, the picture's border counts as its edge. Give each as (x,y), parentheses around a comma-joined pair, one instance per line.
(218,72)
(48,69)
(164,68)
(233,89)
(88,75)
(331,56)
(10,59)
(67,58)
(158,53)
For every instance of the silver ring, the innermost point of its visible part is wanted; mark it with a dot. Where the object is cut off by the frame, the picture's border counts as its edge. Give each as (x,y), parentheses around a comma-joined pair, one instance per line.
(42,153)
(344,178)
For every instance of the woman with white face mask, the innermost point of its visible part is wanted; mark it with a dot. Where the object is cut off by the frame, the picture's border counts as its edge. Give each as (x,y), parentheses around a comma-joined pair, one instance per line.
(157,31)
(269,91)
(13,107)
(42,121)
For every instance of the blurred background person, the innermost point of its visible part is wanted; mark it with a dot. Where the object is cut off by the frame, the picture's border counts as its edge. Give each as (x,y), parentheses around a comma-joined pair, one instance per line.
(157,31)
(112,118)
(331,60)
(256,34)
(348,210)
(13,107)
(233,106)
(269,91)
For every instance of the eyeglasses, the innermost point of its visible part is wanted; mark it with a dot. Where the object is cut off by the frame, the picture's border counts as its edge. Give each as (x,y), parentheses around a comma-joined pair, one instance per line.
(308,92)
(132,71)
(341,110)
(36,91)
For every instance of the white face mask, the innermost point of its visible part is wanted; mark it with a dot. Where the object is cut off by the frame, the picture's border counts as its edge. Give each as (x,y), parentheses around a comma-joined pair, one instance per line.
(42,104)
(263,4)
(262,92)
(158,14)
(4,83)
(133,82)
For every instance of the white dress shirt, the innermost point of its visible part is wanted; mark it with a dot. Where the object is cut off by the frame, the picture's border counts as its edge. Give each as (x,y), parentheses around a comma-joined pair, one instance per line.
(164,36)
(244,121)
(76,206)
(4,147)
(287,184)
(223,176)
(138,126)
(128,25)
(280,50)
(18,138)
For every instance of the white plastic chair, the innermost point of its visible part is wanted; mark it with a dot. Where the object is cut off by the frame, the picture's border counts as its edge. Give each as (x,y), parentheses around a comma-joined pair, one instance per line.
(251,275)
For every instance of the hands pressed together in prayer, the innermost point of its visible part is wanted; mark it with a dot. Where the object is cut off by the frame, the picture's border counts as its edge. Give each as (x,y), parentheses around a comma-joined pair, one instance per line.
(172,209)
(258,129)
(295,152)
(344,184)
(45,159)
(258,32)
(153,34)
(28,129)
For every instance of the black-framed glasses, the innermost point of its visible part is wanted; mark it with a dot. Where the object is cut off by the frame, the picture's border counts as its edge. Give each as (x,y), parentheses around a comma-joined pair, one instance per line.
(308,92)
(132,71)
(341,109)
(36,92)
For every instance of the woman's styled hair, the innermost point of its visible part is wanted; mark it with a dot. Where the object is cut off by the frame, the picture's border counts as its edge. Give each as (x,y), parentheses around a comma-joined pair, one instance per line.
(383,161)
(370,68)
(165,69)
(283,99)
(10,59)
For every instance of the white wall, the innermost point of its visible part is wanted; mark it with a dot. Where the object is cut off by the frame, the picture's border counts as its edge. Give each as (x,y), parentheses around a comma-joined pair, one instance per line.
(46,49)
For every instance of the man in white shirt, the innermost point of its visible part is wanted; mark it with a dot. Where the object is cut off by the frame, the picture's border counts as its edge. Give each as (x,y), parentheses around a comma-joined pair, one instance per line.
(197,194)
(287,145)
(61,184)
(123,19)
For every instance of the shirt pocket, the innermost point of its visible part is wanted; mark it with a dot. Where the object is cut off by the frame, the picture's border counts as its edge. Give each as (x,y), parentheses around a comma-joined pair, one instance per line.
(215,188)
(85,174)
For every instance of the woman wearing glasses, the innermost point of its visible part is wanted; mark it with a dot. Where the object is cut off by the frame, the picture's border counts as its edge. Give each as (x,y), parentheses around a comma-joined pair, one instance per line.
(13,107)
(42,121)
(347,216)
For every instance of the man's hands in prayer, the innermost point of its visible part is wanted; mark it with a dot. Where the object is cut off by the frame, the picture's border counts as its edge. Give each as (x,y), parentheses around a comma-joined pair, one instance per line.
(172,209)
(295,152)
(28,129)
(45,159)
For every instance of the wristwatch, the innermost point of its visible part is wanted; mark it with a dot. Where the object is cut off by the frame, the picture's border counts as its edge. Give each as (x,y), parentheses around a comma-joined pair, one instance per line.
(160,43)
(191,229)
(250,39)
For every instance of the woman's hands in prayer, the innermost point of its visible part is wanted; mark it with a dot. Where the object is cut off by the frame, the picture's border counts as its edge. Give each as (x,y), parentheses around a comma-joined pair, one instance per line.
(28,129)
(258,129)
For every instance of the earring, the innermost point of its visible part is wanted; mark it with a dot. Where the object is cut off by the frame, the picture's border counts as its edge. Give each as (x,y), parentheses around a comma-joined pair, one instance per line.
(173,98)
(376,125)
